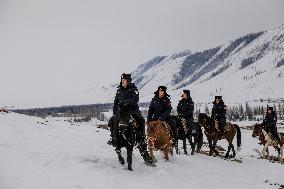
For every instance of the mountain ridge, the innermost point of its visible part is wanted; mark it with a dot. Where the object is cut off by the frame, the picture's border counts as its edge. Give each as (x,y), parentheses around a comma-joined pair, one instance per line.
(253,63)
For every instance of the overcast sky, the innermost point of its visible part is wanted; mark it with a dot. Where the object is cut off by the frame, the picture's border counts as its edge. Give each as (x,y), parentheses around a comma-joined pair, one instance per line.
(51,51)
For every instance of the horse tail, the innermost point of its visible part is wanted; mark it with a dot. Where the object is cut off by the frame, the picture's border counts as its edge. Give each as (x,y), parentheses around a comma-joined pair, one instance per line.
(239,136)
(199,137)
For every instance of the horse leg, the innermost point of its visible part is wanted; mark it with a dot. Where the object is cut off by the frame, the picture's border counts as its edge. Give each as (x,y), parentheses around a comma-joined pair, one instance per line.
(166,153)
(228,152)
(120,158)
(265,149)
(184,146)
(176,146)
(214,148)
(210,147)
(192,144)
(129,158)
(234,152)
(281,153)
(151,151)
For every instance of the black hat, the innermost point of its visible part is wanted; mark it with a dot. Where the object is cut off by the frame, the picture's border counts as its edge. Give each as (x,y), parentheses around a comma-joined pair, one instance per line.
(162,88)
(218,97)
(270,108)
(187,92)
(126,76)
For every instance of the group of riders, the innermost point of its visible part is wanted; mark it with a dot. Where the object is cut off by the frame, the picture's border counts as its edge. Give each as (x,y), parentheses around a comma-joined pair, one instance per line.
(160,109)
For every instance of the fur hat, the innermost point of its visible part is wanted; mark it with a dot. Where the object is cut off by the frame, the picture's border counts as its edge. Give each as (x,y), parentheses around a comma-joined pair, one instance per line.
(126,76)
(218,97)
(161,88)
(187,92)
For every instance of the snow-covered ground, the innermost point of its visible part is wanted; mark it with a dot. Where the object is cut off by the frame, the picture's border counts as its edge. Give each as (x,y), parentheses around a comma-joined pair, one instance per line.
(51,153)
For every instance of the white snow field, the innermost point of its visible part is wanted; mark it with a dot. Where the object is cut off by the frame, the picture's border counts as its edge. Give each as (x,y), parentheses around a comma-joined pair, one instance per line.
(51,153)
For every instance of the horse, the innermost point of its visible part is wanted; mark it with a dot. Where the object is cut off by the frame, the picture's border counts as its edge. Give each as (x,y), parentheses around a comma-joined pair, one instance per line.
(159,137)
(127,134)
(267,140)
(183,133)
(213,134)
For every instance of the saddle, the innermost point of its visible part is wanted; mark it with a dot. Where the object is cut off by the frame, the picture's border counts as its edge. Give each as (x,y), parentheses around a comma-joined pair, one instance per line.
(226,128)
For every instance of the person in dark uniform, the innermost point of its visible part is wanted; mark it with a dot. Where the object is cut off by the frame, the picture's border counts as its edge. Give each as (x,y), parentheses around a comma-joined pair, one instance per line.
(128,95)
(219,112)
(185,110)
(269,123)
(160,108)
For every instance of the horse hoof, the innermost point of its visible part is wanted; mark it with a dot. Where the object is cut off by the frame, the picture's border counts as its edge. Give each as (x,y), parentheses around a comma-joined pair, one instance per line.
(150,164)
(130,169)
(121,160)
(185,152)
(192,153)
(154,160)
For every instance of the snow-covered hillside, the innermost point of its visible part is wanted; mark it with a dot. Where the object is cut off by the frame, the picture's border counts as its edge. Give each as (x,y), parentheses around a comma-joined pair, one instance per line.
(248,68)
(54,154)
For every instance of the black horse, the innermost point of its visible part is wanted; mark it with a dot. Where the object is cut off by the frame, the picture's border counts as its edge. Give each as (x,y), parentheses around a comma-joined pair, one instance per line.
(129,136)
(183,133)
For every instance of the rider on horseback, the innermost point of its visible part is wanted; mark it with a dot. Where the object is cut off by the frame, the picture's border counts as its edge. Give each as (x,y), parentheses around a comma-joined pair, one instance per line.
(269,123)
(128,96)
(160,109)
(185,110)
(219,113)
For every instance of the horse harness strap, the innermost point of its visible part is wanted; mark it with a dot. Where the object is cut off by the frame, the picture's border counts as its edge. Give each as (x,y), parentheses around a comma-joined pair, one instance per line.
(184,123)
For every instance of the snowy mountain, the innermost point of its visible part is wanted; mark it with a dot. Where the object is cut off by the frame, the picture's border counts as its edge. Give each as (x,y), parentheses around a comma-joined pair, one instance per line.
(53,153)
(248,68)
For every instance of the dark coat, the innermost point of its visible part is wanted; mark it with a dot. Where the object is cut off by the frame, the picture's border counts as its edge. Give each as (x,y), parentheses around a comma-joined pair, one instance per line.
(160,108)
(128,97)
(219,111)
(270,121)
(185,108)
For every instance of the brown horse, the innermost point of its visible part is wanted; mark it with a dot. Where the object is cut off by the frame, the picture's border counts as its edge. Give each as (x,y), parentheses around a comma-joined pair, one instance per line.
(213,134)
(267,140)
(159,138)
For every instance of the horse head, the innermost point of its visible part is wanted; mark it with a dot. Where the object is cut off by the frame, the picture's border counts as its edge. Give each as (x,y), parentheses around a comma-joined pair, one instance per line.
(205,120)
(151,128)
(124,113)
(257,130)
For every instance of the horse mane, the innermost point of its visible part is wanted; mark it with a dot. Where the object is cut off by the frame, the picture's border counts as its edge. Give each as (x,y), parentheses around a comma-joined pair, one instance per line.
(207,118)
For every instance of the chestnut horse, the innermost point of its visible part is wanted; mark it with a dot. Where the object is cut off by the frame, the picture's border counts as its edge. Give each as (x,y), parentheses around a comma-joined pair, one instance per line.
(159,138)
(267,140)
(213,134)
